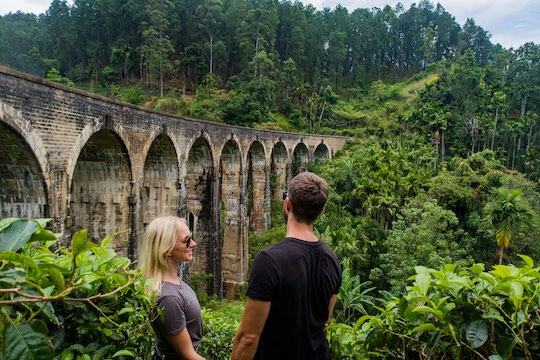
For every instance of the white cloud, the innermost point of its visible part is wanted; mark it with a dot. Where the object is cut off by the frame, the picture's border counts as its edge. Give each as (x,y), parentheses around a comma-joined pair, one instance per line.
(29,6)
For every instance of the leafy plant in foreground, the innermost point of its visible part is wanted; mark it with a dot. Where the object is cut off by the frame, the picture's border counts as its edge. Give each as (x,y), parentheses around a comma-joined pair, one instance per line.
(82,303)
(455,313)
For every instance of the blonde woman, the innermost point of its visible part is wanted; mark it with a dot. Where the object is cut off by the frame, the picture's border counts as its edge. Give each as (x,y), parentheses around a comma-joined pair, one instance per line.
(167,242)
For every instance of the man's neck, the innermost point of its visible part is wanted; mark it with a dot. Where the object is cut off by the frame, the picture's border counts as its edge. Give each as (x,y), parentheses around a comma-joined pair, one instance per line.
(300,231)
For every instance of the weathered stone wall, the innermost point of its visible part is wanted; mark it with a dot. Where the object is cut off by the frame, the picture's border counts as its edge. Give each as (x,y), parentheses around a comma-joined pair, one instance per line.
(91,162)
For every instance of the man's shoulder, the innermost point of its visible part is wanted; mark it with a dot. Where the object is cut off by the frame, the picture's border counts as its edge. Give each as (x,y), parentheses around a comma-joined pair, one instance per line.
(277,251)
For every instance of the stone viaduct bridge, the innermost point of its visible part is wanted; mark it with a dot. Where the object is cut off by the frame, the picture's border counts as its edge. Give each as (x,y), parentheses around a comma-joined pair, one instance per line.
(89,162)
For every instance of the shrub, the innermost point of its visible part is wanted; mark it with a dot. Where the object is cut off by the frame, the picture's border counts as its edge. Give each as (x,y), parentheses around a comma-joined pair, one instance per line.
(130,94)
(221,320)
(84,302)
(171,105)
(454,313)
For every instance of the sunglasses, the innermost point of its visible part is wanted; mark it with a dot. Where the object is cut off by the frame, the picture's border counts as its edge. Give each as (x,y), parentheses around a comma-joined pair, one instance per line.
(188,240)
(284,195)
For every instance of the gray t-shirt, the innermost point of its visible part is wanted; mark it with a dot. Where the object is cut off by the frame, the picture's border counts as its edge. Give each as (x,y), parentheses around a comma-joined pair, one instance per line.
(181,310)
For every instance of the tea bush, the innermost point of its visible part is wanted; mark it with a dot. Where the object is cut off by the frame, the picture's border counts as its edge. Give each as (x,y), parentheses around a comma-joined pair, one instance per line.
(82,303)
(451,313)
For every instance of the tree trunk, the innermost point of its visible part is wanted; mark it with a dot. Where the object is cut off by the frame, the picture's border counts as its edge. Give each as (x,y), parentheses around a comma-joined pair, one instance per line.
(514,153)
(529,136)
(322,112)
(524,104)
(141,71)
(442,145)
(257,41)
(501,252)
(161,62)
(494,128)
(211,54)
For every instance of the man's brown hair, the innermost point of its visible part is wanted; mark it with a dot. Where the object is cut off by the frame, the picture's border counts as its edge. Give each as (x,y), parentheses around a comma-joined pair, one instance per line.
(307,193)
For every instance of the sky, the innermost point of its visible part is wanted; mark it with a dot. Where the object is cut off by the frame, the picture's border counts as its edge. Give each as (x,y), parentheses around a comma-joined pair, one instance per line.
(510,22)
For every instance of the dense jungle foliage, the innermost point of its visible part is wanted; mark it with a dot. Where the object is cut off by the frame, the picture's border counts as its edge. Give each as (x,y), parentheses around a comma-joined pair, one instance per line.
(286,66)
(434,204)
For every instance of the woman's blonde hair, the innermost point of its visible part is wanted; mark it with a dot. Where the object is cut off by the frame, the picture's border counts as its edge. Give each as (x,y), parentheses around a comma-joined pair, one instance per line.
(159,239)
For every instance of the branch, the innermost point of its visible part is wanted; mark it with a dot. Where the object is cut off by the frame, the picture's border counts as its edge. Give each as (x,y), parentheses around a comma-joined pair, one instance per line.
(36,298)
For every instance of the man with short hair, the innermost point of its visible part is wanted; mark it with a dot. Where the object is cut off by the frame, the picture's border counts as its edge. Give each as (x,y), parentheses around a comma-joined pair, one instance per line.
(293,285)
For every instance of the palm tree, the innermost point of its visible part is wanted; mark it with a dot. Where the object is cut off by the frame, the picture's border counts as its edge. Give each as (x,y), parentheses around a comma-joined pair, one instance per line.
(505,213)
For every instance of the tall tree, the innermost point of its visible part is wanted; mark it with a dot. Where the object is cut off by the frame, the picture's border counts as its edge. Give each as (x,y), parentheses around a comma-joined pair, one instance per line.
(258,30)
(157,46)
(505,213)
(210,17)
(60,34)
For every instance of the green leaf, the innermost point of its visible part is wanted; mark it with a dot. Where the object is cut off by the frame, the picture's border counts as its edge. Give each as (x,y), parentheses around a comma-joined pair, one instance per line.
(105,242)
(521,317)
(16,235)
(123,353)
(528,260)
(495,357)
(453,333)
(504,271)
(99,353)
(26,341)
(57,277)
(477,268)
(423,327)
(17,275)
(67,354)
(423,281)
(42,222)
(476,333)
(515,289)
(505,346)
(43,235)
(4,223)
(79,243)
(427,309)
(493,314)
(19,258)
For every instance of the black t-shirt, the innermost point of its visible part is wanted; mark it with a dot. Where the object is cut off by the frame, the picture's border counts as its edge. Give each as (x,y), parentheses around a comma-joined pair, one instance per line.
(298,278)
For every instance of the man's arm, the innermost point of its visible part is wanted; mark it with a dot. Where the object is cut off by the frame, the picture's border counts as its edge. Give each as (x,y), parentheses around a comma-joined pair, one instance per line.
(250,329)
(331,305)
(181,343)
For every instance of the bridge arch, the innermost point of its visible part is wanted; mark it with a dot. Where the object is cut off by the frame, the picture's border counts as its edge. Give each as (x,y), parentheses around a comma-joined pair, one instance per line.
(258,205)
(160,180)
(300,159)
(100,190)
(279,160)
(321,153)
(23,185)
(16,120)
(200,207)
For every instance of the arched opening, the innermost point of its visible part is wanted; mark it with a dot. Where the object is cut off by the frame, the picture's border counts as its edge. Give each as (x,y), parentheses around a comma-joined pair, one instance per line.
(258,202)
(23,192)
(233,259)
(300,159)
(321,153)
(278,170)
(159,195)
(190,218)
(100,191)
(199,202)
